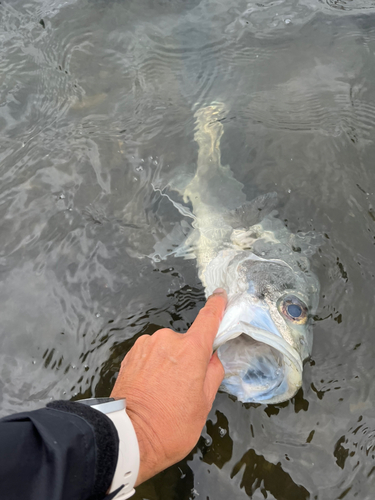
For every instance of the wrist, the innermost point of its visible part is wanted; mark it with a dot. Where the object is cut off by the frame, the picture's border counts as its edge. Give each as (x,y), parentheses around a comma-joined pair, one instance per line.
(151,448)
(150,463)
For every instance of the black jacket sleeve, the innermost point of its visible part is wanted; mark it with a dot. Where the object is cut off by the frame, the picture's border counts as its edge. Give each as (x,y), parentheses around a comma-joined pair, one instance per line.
(66,451)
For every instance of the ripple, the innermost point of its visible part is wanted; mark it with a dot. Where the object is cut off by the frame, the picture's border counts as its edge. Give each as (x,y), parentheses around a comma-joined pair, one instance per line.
(36,90)
(272,19)
(161,68)
(354,453)
(349,5)
(96,104)
(319,100)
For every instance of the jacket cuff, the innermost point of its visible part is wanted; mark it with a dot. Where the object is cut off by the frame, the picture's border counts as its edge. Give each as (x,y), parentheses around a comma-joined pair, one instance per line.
(106,443)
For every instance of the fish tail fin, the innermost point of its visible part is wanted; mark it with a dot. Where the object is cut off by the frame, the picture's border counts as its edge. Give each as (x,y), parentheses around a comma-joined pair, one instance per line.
(213,184)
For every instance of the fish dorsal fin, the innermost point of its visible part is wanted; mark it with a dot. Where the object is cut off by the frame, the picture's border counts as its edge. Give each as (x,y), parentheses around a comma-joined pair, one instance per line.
(252,212)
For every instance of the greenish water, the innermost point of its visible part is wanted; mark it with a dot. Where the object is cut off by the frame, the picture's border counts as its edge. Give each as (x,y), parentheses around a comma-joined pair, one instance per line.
(96,104)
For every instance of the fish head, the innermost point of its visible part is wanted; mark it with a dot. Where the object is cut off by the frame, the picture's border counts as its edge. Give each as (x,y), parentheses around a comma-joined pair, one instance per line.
(265,334)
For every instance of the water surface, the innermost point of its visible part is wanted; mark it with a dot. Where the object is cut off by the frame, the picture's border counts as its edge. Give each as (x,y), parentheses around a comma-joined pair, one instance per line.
(96,107)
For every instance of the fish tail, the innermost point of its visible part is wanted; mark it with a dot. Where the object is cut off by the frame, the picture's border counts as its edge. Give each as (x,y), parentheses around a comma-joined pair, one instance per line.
(213,184)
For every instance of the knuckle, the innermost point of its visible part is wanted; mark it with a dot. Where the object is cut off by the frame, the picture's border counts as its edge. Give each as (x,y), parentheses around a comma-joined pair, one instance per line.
(165,341)
(141,340)
(163,333)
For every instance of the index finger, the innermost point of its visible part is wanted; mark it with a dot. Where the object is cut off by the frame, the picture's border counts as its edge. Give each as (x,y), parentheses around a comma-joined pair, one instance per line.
(207,322)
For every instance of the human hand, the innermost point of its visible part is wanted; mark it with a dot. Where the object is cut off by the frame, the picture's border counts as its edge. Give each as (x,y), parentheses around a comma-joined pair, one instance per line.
(170,381)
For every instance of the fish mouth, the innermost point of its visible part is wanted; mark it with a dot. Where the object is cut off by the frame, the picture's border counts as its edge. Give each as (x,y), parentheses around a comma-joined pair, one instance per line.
(260,365)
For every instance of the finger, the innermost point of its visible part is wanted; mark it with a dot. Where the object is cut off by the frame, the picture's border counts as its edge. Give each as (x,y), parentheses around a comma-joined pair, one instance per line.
(214,377)
(207,322)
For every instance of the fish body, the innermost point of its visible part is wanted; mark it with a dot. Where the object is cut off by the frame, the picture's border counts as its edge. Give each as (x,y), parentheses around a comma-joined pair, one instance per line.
(265,334)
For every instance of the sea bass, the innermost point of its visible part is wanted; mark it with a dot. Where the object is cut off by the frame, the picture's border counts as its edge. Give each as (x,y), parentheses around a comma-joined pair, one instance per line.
(265,335)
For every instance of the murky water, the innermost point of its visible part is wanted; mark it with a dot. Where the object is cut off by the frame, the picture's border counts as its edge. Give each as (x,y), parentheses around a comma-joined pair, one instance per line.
(96,106)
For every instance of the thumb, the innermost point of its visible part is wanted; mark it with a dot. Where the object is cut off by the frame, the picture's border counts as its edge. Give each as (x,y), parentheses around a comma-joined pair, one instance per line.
(214,377)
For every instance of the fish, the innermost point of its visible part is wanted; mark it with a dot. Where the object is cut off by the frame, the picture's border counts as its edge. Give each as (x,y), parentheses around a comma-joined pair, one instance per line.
(265,335)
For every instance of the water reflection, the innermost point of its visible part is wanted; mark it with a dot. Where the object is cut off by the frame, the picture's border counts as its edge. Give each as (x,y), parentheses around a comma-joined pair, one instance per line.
(268,478)
(96,107)
(219,447)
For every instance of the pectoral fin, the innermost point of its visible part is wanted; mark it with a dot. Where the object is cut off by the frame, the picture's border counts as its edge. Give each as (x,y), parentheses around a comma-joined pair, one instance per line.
(252,212)
(179,242)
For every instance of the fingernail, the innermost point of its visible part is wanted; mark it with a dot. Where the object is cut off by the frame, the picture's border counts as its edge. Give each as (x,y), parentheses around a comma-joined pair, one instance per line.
(219,291)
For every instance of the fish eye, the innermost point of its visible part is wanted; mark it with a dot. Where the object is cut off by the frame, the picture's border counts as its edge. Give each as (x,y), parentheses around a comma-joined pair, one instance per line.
(294,309)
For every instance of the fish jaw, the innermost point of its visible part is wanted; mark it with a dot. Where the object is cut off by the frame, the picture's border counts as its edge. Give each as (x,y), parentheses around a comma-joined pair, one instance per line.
(260,365)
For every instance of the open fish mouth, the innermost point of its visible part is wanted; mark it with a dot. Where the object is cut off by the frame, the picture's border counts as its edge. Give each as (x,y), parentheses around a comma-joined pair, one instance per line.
(260,365)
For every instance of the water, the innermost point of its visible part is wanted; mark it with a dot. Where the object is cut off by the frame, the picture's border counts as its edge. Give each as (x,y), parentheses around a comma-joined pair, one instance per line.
(96,105)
